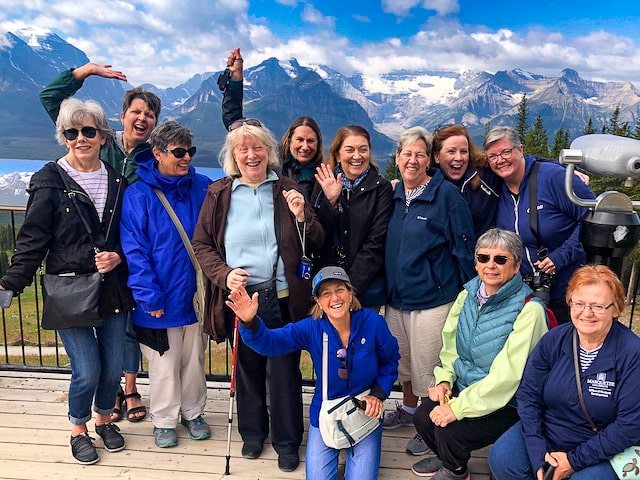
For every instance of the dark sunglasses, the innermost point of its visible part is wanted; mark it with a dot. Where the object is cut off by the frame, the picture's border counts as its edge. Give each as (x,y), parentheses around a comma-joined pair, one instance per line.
(181,152)
(244,121)
(341,355)
(87,132)
(499,259)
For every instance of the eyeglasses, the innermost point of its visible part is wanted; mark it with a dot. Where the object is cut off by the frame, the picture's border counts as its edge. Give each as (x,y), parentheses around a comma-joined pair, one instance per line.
(578,307)
(181,152)
(341,354)
(505,154)
(244,121)
(418,156)
(499,259)
(72,133)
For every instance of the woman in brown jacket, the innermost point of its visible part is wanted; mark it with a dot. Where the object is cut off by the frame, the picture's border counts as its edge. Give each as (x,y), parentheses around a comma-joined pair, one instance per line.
(253,230)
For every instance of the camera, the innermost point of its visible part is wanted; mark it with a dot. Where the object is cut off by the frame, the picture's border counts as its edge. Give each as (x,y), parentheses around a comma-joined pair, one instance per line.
(304,268)
(540,282)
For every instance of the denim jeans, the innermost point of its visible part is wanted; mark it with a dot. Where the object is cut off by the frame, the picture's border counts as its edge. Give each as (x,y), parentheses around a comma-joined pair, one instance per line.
(132,354)
(96,365)
(363,460)
(509,460)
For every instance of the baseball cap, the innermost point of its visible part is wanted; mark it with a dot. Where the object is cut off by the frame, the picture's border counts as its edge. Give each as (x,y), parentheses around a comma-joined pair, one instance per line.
(329,273)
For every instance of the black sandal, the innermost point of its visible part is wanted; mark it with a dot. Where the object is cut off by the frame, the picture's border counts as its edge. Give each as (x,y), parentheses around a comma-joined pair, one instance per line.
(131,412)
(117,410)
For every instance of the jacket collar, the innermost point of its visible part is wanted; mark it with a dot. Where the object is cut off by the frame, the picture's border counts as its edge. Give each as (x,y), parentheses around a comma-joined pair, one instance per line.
(605,359)
(429,193)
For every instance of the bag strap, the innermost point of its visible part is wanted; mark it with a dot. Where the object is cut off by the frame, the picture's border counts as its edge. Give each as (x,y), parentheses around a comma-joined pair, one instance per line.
(179,227)
(578,383)
(533,201)
(325,364)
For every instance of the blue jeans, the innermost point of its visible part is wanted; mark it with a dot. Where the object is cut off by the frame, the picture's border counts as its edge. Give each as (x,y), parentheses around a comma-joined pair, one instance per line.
(132,354)
(96,365)
(509,460)
(363,460)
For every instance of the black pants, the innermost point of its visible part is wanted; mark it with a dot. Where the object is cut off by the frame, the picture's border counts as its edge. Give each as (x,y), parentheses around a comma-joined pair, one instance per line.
(454,443)
(285,390)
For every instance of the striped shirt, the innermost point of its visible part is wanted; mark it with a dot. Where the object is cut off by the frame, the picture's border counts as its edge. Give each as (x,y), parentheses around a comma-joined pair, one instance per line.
(587,357)
(95,184)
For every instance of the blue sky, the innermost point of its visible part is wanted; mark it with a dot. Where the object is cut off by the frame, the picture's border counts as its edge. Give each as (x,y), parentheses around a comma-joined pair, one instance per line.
(165,42)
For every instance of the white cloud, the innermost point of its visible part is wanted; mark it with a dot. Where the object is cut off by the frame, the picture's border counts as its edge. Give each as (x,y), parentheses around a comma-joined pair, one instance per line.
(442,7)
(400,8)
(312,15)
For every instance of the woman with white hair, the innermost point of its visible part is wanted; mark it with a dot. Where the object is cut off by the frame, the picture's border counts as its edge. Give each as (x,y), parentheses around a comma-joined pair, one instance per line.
(251,233)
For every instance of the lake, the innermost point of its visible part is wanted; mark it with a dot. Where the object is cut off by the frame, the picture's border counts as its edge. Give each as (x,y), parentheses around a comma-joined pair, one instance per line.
(16,173)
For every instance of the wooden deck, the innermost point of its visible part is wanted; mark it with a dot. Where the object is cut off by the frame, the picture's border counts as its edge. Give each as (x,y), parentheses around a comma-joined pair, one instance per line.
(34,441)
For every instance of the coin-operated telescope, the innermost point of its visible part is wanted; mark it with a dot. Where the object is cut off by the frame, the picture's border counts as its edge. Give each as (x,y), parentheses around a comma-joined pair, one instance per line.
(611,228)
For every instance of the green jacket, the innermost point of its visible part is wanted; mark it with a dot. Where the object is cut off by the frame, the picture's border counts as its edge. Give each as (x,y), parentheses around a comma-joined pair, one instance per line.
(496,389)
(64,86)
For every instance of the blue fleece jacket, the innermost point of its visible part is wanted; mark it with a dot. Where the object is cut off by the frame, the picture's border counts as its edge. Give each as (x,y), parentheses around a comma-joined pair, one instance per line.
(429,248)
(372,356)
(161,274)
(558,221)
(548,405)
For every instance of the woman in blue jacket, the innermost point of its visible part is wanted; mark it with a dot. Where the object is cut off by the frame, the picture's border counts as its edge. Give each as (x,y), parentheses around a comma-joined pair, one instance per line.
(367,358)
(554,429)
(428,258)
(163,281)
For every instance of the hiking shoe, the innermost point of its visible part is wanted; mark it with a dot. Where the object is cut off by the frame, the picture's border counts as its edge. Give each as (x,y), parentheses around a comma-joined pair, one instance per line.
(396,418)
(198,428)
(110,434)
(417,447)
(427,467)
(446,474)
(165,437)
(83,449)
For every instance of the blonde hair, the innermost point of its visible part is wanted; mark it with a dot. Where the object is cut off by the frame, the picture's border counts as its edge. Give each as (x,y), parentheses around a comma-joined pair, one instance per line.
(235,137)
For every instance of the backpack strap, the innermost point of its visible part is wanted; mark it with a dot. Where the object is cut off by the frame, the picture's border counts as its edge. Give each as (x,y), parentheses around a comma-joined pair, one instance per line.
(552,321)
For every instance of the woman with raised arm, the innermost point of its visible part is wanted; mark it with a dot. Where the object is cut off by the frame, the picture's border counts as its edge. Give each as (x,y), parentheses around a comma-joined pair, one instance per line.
(140,113)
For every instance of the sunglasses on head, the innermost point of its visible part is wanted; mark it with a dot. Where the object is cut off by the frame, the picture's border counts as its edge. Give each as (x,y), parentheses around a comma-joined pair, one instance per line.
(180,152)
(87,132)
(244,121)
(341,355)
(499,259)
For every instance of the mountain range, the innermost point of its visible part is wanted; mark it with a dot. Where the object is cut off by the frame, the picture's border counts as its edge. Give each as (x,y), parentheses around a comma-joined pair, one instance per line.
(277,91)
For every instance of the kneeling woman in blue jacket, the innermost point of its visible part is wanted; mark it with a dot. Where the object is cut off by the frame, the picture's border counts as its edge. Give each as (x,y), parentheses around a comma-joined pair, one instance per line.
(163,281)
(367,358)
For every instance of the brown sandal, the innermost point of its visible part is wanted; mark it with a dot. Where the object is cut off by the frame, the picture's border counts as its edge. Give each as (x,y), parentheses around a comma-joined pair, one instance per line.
(131,412)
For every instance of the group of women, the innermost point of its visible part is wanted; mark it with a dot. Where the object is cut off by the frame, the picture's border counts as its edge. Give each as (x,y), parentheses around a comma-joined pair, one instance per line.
(460,323)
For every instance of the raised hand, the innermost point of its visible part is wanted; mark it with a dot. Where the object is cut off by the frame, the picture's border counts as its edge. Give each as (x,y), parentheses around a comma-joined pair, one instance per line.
(235,64)
(295,201)
(331,185)
(104,71)
(244,306)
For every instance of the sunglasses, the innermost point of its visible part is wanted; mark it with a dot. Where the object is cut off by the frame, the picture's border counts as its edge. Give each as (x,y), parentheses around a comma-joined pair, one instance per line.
(87,132)
(244,121)
(341,355)
(499,259)
(181,152)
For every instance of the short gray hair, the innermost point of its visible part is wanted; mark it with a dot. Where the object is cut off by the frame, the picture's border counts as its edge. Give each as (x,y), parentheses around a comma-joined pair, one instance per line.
(236,136)
(496,237)
(412,135)
(499,133)
(170,132)
(73,112)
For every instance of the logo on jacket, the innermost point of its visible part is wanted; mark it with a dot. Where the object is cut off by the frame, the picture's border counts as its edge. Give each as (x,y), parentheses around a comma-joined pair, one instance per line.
(600,386)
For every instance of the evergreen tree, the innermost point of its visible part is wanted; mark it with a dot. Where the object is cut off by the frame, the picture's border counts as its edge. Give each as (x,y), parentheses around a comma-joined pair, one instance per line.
(560,141)
(392,171)
(636,131)
(615,127)
(537,142)
(588,130)
(522,128)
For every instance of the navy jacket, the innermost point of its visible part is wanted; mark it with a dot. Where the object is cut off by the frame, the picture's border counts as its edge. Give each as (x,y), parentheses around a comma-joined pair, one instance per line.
(549,408)
(161,274)
(429,249)
(372,355)
(558,221)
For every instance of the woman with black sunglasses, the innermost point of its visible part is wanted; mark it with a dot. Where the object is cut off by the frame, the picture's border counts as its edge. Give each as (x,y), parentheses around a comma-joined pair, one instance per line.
(366,358)
(489,333)
(163,281)
(63,195)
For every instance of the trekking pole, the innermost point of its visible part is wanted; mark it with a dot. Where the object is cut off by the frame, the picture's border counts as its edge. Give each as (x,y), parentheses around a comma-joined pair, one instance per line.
(232,390)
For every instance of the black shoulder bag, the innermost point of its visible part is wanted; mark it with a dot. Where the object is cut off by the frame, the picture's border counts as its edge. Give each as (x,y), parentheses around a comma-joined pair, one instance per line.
(71,299)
